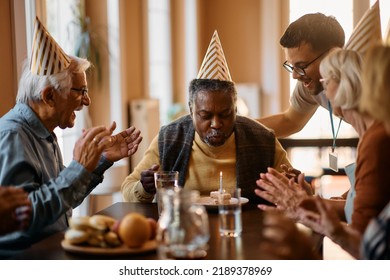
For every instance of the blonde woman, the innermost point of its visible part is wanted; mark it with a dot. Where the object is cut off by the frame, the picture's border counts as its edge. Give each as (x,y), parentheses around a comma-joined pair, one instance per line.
(341,72)
(373,161)
(374,242)
(341,79)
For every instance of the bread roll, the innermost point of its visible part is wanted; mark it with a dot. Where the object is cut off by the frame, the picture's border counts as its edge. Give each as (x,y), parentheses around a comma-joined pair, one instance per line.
(76,236)
(80,223)
(101,222)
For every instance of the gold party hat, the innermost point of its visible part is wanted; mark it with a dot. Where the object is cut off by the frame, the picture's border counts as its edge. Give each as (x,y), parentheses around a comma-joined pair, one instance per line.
(214,65)
(387,37)
(367,32)
(47,57)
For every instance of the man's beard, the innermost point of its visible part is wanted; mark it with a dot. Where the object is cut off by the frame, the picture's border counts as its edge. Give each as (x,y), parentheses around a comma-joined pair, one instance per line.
(208,138)
(317,89)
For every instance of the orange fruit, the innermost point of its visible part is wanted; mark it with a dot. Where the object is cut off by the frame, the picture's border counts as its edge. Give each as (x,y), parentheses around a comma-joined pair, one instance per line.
(134,230)
(153,228)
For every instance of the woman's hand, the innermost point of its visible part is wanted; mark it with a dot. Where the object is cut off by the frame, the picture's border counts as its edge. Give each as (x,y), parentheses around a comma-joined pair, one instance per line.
(284,193)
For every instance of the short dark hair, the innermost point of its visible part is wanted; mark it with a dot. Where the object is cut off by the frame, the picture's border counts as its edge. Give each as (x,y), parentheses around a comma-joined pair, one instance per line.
(198,85)
(320,31)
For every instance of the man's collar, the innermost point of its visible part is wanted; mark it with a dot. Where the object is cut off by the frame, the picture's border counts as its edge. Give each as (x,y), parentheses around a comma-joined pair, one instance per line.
(33,121)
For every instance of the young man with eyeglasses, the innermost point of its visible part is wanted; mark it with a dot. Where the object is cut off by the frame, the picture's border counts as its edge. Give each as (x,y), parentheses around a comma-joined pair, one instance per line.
(306,41)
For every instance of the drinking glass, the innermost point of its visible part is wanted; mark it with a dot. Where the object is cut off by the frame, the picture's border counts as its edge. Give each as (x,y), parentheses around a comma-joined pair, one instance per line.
(164,180)
(230,223)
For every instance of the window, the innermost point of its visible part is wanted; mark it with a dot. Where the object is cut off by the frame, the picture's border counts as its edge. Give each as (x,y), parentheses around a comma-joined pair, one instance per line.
(61,16)
(160,63)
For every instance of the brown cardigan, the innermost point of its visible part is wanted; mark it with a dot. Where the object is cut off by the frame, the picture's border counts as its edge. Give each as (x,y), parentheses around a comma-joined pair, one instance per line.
(372,176)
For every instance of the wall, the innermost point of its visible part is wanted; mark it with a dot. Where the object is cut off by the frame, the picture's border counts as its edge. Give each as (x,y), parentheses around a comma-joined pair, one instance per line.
(238,26)
(250,43)
(178,51)
(7,69)
(133,48)
(99,89)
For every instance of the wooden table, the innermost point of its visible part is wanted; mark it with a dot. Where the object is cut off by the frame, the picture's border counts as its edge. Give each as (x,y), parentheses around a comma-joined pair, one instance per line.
(245,247)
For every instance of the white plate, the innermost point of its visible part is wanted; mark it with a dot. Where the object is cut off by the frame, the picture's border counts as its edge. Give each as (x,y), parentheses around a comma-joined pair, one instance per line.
(150,245)
(209,202)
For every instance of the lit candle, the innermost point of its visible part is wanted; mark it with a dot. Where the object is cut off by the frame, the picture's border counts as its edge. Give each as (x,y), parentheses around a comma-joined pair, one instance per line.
(220,182)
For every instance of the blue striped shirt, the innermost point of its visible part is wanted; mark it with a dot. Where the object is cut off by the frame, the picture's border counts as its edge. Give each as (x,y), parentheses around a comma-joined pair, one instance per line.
(376,239)
(30,158)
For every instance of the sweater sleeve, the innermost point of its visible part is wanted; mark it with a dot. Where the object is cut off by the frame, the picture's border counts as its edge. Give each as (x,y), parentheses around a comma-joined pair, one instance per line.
(132,189)
(280,156)
(372,184)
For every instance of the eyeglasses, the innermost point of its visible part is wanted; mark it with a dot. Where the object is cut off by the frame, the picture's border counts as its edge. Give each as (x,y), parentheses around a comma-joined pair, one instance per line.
(300,70)
(84,91)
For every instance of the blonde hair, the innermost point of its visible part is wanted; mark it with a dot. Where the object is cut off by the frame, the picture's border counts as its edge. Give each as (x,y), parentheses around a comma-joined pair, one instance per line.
(344,66)
(376,84)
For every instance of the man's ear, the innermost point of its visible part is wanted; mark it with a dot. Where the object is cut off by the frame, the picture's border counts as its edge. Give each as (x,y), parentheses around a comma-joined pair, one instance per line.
(48,95)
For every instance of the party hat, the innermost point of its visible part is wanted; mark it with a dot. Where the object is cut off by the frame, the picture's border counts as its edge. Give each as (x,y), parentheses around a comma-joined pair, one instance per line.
(214,65)
(367,32)
(47,57)
(387,37)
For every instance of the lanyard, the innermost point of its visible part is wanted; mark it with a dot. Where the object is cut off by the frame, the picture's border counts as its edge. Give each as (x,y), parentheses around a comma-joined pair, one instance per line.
(331,123)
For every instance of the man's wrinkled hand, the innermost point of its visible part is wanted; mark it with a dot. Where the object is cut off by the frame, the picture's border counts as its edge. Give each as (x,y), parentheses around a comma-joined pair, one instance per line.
(147,179)
(123,144)
(89,147)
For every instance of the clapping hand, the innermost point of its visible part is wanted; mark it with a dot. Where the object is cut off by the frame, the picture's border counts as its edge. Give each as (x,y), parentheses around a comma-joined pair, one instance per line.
(284,193)
(89,147)
(319,216)
(291,172)
(123,144)
(283,240)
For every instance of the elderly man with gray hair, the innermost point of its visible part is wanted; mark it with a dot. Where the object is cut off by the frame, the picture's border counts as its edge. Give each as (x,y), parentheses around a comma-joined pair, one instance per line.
(52,87)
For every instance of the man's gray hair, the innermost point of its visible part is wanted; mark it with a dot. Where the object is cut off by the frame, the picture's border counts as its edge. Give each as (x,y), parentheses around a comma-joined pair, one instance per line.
(31,85)
(199,85)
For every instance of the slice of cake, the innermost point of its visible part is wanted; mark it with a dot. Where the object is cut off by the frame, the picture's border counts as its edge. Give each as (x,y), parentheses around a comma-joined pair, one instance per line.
(217,196)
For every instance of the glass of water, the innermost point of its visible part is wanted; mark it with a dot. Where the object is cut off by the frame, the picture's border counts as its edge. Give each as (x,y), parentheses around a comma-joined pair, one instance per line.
(164,180)
(230,223)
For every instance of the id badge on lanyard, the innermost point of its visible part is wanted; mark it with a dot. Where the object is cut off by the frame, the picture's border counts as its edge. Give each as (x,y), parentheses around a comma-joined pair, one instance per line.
(333,165)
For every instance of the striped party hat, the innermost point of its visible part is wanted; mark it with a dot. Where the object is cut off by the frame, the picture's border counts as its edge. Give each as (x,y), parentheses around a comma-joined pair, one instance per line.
(387,37)
(47,57)
(367,32)
(214,65)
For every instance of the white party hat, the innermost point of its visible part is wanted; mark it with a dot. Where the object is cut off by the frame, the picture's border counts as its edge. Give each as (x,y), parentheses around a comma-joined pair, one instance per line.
(367,32)
(214,65)
(387,37)
(47,57)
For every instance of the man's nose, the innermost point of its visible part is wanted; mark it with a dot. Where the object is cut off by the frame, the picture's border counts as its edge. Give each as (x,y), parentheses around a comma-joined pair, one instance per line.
(216,123)
(86,100)
(295,75)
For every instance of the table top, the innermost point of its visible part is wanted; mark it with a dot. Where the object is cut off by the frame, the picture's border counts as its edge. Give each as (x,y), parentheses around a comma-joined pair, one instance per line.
(247,246)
